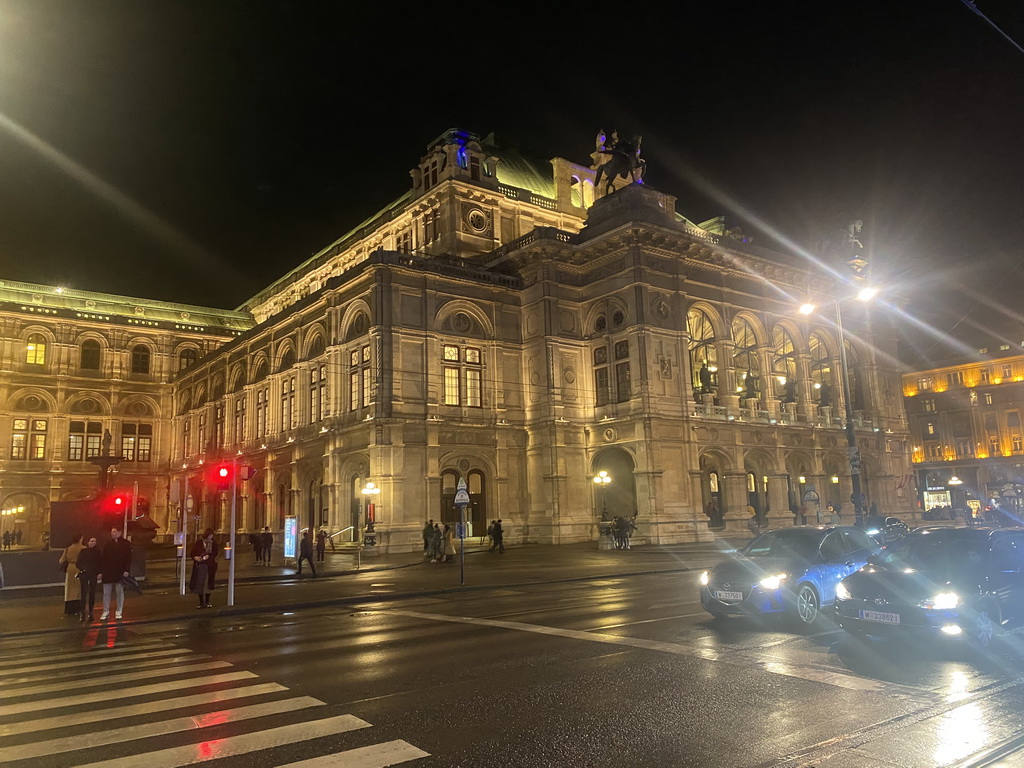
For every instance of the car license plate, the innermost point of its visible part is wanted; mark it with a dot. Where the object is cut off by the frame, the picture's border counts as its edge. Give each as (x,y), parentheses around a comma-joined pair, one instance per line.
(723,595)
(880,616)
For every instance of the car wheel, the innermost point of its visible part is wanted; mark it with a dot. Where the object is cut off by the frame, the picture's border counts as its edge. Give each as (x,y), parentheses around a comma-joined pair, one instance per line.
(981,633)
(806,605)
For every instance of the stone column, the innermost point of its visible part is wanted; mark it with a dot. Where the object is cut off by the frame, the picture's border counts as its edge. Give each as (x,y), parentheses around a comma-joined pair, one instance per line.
(778,501)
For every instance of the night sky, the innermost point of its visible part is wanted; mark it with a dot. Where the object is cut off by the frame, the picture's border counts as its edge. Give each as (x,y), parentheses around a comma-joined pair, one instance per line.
(196,151)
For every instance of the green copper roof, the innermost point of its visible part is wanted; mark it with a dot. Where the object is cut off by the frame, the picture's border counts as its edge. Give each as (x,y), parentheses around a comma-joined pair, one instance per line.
(102,306)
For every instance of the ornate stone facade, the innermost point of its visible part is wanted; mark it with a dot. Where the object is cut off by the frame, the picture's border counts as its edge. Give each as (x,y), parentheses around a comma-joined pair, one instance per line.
(501,325)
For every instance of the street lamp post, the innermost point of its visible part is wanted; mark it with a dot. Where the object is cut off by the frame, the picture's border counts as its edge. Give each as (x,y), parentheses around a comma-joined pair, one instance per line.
(601,480)
(853,451)
(369,492)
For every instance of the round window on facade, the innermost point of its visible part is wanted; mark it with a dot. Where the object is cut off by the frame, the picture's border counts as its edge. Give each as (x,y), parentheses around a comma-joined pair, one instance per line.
(601,323)
(618,318)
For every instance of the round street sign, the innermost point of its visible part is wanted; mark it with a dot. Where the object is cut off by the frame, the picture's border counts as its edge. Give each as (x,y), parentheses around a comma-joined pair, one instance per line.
(189,503)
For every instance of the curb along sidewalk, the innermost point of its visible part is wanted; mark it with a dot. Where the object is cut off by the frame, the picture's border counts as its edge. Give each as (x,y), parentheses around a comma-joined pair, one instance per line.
(384,578)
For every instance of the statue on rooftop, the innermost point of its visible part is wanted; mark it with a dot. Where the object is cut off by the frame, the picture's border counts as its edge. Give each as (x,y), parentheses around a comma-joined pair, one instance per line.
(623,159)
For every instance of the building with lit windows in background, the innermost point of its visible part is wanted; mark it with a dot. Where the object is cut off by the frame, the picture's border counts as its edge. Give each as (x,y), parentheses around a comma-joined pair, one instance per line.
(965,423)
(505,323)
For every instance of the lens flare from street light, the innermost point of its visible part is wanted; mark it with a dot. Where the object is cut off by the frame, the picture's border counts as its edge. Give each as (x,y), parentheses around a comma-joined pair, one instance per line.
(867,294)
(807,308)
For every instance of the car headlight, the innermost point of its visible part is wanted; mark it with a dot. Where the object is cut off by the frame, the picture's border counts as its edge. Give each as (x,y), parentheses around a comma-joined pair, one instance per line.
(943,601)
(704,578)
(842,593)
(872,532)
(773,582)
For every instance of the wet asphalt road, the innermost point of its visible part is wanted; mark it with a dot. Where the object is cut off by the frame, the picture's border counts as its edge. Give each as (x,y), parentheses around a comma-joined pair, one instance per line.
(617,672)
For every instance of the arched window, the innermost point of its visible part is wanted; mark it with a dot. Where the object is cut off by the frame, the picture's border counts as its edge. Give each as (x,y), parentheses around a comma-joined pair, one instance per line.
(187,358)
(287,359)
(744,357)
(35,349)
(90,355)
(821,369)
(316,348)
(703,352)
(784,364)
(140,358)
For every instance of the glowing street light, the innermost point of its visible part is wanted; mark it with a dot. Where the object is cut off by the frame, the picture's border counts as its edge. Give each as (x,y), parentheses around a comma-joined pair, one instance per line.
(369,492)
(601,480)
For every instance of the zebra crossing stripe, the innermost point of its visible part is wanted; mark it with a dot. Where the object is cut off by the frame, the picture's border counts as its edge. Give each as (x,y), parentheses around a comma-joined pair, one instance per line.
(120,678)
(159,728)
(124,693)
(137,710)
(236,745)
(89,661)
(83,675)
(373,756)
(103,651)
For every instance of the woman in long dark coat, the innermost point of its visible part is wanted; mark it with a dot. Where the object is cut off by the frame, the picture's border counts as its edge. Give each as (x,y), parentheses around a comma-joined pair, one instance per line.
(88,564)
(204,567)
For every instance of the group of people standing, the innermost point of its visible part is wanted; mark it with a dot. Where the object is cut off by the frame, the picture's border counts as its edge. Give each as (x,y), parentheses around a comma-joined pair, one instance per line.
(12,538)
(85,565)
(622,528)
(262,543)
(438,542)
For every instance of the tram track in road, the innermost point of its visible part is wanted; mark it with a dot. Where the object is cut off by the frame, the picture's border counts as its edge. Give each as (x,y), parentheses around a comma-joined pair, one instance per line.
(818,755)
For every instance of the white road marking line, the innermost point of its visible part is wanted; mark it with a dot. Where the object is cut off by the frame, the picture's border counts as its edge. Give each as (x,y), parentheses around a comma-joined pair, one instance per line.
(159,728)
(104,696)
(71,655)
(374,756)
(127,677)
(134,710)
(88,661)
(821,676)
(83,675)
(646,621)
(241,744)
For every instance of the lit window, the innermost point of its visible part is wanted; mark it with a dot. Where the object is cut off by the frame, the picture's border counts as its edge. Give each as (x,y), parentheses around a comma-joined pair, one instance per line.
(359,378)
(35,349)
(988,398)
(84,439)
(28,439)
(317,393)
(454,374)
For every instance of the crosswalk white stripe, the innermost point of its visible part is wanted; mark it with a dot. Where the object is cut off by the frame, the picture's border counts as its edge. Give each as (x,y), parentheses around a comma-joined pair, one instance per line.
(127,677)
(137,710)
(236,745)
(88,661)
(82,675)
(9,661)
(373,756)
(102,696)
(159,728)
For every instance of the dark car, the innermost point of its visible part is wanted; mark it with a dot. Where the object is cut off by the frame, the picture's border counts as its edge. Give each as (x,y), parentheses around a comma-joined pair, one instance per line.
(887,530)
(792,570)
(947,582)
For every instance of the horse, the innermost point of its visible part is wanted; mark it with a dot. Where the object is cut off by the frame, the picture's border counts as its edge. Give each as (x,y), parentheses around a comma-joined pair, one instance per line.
(623,161)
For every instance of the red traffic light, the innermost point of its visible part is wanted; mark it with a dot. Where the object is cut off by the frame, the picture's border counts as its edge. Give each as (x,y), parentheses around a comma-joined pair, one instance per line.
(119,501)
(222,477)
(223,472)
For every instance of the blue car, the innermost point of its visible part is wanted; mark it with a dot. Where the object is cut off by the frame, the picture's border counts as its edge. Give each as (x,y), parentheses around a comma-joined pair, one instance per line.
(791,570)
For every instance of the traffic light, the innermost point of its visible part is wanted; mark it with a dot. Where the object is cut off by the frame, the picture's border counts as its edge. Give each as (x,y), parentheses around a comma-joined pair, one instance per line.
(115,502)
(222,475)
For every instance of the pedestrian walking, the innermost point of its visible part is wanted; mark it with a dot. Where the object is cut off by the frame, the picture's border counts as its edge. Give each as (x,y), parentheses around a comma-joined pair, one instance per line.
(72,586)
(7,539)
(490,536)
(88,564)
(449,544)
(268,544)
(321,545)
(436,544)
(499,537)
(428,537)
(306,552)
(257,546)
(115,564)
(204,567)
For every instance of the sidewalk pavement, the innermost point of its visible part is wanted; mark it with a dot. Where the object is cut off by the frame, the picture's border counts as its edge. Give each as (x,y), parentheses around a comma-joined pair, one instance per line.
(383,578)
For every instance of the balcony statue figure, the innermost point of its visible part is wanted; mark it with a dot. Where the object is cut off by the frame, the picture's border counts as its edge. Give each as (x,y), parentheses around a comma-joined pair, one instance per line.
(825,395)
(107,440)
(704,377)
(789,391)
(624,160)
(750,382)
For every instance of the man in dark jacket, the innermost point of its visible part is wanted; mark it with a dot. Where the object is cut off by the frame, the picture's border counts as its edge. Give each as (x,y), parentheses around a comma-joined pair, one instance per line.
(115,564)
(499,537)
(268,543)
(306,552)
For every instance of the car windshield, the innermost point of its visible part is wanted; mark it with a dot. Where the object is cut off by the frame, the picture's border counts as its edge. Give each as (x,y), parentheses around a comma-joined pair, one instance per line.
(940,556)
(791,544)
